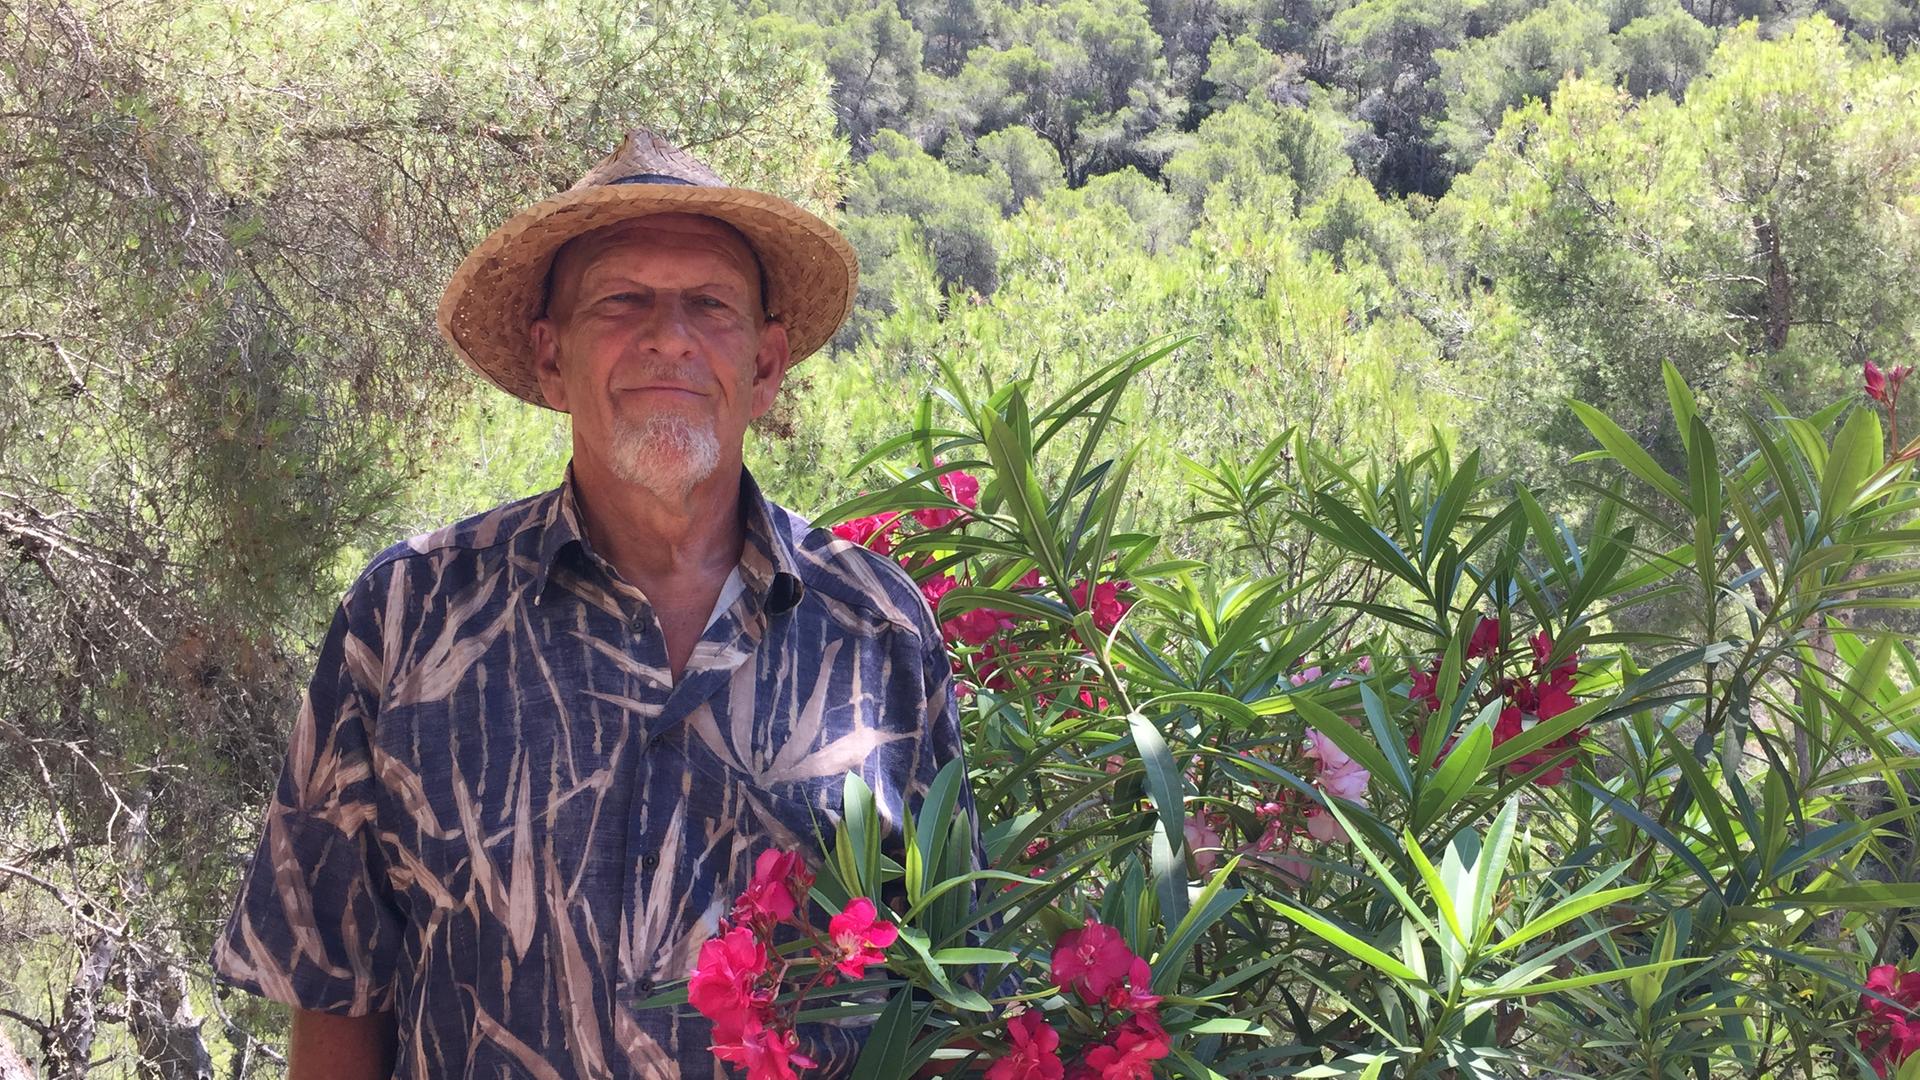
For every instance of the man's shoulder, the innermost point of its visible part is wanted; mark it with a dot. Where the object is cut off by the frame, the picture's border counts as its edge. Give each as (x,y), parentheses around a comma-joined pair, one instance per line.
(855,575)
(485,535)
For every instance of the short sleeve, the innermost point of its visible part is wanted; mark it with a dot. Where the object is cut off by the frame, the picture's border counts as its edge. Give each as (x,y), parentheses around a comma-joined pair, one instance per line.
(315,924)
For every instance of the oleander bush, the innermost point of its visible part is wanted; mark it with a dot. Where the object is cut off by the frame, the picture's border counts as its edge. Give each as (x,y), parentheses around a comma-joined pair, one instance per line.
(1469,815)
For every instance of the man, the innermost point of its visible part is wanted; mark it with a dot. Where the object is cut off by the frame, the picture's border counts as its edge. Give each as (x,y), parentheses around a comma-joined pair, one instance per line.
(543,746)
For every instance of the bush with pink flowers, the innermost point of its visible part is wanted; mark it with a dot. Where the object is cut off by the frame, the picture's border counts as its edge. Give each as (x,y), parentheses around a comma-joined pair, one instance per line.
(1461,785)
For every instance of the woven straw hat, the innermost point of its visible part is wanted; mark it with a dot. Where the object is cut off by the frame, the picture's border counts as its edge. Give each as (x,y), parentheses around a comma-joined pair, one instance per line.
(496,294)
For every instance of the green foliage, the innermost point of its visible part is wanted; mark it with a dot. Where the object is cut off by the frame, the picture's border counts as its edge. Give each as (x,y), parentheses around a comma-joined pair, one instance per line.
(1699,895)
(226,229)
(955,216)
(1661,53)
(1639,233)
(1523,62)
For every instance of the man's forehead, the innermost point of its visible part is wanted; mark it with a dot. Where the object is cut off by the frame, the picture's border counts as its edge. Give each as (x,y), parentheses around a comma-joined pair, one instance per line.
(684,232)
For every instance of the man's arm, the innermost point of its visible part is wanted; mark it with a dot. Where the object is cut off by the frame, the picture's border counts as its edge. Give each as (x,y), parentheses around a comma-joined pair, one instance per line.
(328,1046)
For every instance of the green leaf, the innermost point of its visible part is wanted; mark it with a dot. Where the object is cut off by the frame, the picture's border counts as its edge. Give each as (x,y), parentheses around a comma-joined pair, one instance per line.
(1443,897)
(885,1055)
(967,955)
(1346,942)
(936,809)
(1502,989)
(1866,896)
(1857,451)
(1392,745)
(1209,906)
(1167,790)
(1680,396)
(1491,868)
(1445,513)
(1627,452)
(1461,769)
(1566,911)
(1335,521)
(1013,464)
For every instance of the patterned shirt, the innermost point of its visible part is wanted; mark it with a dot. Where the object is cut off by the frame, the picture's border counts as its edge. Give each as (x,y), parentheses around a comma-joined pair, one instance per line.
(502,820)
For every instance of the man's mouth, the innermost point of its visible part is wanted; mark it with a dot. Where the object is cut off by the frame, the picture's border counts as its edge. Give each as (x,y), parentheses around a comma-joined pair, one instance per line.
(665,390)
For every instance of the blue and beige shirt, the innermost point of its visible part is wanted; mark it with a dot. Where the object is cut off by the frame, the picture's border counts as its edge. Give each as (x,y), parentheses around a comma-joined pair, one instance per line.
(504,821)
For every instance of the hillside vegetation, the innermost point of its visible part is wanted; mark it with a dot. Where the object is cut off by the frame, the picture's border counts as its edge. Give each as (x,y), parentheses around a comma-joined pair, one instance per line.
(1371,230)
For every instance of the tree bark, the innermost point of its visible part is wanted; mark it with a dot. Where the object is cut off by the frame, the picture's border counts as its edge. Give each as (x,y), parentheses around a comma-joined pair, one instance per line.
(1778,317)
(160,1017)
(12,1065)
(70,1042)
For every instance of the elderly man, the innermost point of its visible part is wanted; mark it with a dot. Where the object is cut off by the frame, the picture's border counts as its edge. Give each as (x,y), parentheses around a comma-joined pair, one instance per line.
(544,745)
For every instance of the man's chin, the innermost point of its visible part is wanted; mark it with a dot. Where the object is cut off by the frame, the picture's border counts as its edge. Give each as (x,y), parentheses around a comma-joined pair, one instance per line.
(670,465)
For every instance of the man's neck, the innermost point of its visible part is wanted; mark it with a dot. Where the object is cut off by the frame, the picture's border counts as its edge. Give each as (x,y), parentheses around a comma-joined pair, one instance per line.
(661,545)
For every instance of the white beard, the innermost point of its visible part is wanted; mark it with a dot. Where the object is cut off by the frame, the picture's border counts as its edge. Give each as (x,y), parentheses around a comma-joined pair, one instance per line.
(664,453)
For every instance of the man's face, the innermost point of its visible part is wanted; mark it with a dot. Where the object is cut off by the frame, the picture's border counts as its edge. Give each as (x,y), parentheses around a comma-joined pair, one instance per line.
(657,342)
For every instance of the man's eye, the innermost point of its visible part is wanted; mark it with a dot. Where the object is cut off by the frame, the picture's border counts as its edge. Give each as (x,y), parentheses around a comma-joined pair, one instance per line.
(710,302)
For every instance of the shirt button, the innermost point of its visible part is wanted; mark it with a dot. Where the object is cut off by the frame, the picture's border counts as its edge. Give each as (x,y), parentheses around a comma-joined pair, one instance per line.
(650,861)
(638,624)
(645,985)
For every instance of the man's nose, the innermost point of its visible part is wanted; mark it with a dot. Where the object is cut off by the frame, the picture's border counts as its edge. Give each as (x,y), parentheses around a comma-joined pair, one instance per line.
(668,324)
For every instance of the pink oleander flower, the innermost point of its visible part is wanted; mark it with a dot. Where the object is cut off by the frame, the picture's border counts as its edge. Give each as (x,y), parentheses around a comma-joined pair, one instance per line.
(1891,1033)
(1426,687)
(779,888)
(766,1053)
(1875,382)
(1203,843)
(1107,606)
(976,627)
(1324,827)
(1485,640)
(873,531)
(1304,676)
(1128,1054)
(1036,1050)
(1091,705)
(936,587)
(1541,695)
(1337,774)
(1136,994)
(860,937)
(963,488)
(1091,961)
(725,987)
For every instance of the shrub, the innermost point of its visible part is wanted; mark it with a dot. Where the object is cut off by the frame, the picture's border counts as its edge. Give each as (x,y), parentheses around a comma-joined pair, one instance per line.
(1462,824)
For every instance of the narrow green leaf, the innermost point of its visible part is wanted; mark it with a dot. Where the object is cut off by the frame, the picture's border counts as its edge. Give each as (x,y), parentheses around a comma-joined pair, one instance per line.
(1565,912)
(1628,452)
(1857,451)
(1345,942)
(1498,990)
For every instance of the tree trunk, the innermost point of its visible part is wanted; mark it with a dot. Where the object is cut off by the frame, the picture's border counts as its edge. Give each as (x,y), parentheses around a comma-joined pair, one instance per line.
(70,1042)
(160,1017)
(12,1065)
(1778,305)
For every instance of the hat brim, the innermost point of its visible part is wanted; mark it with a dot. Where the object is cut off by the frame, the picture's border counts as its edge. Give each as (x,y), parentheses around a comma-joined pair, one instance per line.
(493,298)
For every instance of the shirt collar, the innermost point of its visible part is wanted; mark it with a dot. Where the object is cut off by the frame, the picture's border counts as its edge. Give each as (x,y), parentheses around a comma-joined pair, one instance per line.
(769,567)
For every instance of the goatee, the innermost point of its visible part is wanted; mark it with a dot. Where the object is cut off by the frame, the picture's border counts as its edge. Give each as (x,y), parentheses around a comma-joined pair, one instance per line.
(664,453)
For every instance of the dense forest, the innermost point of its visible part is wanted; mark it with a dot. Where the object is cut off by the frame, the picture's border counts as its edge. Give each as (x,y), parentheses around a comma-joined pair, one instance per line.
(1375,227)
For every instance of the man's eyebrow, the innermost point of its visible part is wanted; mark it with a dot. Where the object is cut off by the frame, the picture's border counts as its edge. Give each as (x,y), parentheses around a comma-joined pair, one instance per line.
(614,278)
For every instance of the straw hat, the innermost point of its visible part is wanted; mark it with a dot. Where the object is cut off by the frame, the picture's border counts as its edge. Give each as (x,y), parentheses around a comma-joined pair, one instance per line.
(496,294)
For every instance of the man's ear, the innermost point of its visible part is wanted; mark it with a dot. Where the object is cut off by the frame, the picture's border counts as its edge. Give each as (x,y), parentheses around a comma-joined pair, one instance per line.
(770,366)
(545,339)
